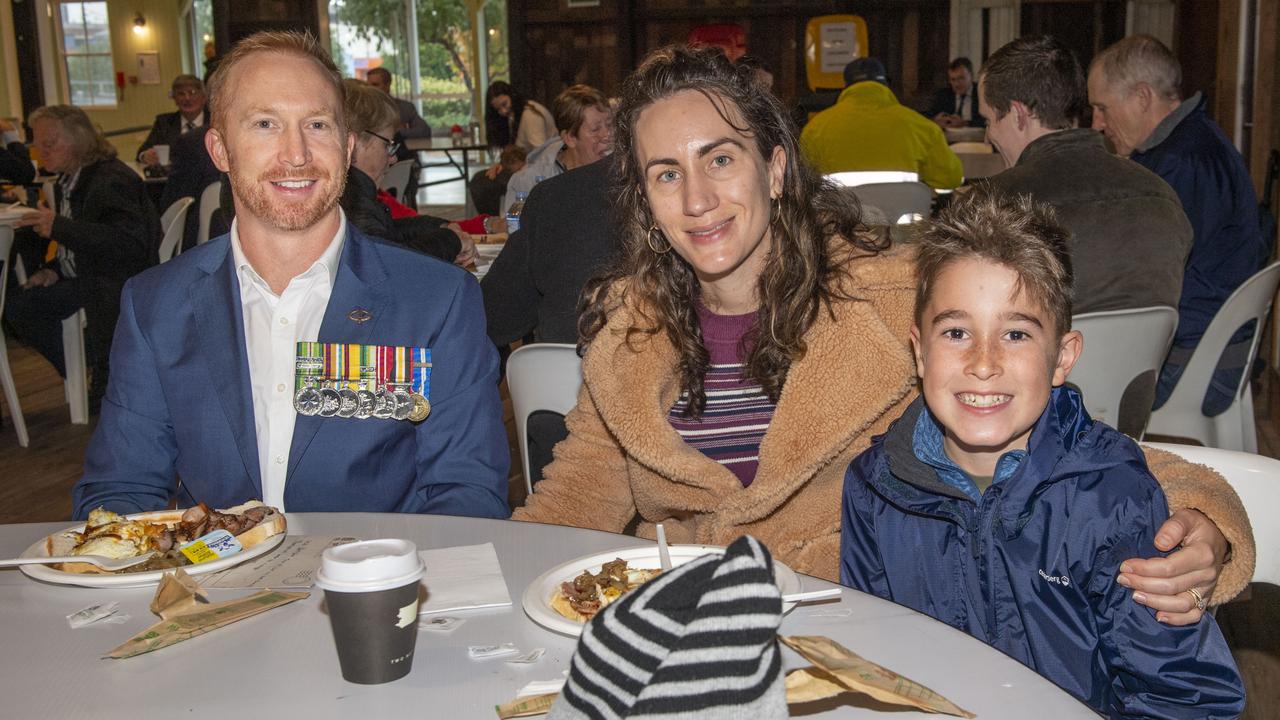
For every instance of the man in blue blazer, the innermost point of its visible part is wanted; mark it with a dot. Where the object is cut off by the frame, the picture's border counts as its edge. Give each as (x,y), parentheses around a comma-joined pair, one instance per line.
(199,406)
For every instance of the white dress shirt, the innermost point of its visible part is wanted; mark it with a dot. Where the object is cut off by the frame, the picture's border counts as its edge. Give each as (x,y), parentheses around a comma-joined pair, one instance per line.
(273,327)
(192,124)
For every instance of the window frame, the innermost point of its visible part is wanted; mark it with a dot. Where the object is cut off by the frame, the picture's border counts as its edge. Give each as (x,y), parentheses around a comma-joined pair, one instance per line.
(64,71)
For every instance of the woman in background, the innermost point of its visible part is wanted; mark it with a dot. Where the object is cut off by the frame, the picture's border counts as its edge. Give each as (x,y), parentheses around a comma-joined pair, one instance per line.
(512,119)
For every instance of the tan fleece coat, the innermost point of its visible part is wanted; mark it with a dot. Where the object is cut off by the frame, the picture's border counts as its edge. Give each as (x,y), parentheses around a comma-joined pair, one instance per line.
(622,457)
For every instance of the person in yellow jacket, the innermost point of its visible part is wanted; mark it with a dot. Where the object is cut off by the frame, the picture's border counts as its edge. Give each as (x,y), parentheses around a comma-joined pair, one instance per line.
(868,129)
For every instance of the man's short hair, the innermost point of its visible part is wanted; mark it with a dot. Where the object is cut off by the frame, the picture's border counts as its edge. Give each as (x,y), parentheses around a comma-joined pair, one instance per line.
(1010,230)
(88,144)
(1141,59)
(1039,72)
(961,62)
(379,71)
(570,107)
(186,81)
(366,108)
(271,41)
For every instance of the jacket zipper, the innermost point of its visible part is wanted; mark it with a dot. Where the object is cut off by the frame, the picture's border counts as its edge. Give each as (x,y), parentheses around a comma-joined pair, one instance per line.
(986,524)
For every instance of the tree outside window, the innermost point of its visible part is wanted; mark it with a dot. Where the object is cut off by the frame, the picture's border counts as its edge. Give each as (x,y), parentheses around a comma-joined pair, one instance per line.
(86,53)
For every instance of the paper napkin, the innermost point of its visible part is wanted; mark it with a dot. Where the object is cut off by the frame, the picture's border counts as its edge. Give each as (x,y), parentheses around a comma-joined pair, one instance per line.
(463,578)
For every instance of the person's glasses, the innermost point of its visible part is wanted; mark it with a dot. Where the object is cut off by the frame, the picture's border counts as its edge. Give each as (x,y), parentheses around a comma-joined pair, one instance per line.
(392,145)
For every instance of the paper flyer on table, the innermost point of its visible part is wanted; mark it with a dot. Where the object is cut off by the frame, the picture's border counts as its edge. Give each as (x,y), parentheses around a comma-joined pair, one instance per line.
(293,564)
(463,578)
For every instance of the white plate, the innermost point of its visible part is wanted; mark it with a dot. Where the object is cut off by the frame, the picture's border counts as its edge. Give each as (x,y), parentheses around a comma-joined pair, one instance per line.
(139,579)
(537,597)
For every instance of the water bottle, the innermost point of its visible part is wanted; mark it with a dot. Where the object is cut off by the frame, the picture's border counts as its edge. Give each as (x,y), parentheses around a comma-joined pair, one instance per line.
(513,213)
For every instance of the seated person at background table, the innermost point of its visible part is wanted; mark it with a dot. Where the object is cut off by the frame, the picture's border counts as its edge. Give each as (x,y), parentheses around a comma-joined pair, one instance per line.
(582,119)
(868,129)
(410,124)
(956,105)
(1026,505)
(489,186)
(188,95)
(567,236)
(512,119)
(204,356)
(371,118)
(747,299)
(1031,91)
(106,229)
(191,170)
(15,161)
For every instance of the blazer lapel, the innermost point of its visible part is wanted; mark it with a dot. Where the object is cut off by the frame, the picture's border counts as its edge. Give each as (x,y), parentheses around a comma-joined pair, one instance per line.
(355,307)
(220,323)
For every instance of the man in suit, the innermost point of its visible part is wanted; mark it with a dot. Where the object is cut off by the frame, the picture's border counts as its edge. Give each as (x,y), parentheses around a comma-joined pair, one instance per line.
(106,229)
(188,94)
(411,123)
(206,348)
(956,105)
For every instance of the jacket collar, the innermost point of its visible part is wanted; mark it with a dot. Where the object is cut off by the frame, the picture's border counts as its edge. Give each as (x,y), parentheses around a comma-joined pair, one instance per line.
(1171,121)
(1071,140)
(869,94)
(216,298)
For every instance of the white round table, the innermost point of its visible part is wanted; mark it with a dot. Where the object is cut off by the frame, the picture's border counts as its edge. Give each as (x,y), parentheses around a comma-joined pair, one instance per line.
(282,664)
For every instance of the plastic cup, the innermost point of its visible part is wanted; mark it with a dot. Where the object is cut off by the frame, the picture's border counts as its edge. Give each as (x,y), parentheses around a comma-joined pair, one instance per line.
(162,154)
(371,589)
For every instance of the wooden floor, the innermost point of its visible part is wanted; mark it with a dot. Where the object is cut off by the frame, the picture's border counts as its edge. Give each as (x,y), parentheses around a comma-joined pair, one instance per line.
(35,486)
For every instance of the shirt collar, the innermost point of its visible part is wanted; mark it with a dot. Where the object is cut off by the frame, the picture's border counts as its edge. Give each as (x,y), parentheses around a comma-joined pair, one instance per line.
(196,122)
(1170,121)
(326,263)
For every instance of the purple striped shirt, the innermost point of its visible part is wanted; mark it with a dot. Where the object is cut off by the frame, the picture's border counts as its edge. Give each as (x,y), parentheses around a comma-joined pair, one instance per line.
(738,412)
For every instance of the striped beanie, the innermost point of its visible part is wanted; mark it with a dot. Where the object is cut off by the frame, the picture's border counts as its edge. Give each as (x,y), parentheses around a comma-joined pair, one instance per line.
(698,641)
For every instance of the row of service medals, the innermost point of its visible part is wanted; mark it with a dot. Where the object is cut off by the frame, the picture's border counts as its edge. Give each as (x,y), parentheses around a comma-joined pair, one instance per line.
(347,380)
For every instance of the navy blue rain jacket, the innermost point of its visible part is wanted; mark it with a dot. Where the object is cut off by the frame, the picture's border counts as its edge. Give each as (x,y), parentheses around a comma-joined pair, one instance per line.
(1031,568)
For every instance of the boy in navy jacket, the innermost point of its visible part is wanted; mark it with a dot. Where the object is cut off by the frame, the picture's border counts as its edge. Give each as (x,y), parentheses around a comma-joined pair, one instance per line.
(996,505)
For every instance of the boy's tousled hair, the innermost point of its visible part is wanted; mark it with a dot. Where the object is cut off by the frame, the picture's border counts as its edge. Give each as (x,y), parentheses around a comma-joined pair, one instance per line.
(1011,230)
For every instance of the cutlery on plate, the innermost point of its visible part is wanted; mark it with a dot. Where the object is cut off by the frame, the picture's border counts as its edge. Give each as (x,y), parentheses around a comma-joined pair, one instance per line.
(101,561)
(664,556)
(811,595)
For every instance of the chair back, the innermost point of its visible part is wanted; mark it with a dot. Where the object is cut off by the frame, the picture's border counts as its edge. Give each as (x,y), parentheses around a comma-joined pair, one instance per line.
(210,200)
(1123,352)
(980,165)
(541,376)
(1233,429)
(972,148)
(174,221)
(6,373)
(1256,479)
(901,202)
(6,247)
(396,178)
(866,177)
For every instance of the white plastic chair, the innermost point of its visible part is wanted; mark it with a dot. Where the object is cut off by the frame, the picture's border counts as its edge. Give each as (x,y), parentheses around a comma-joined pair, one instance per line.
(6,373)
(976,166)
(854,178)
(210,199)
(541,376)
(1256,479)
(1234,428)
(1120,346)
(396,178)
(902,202)
(972,148)
(174,221)
(76,386)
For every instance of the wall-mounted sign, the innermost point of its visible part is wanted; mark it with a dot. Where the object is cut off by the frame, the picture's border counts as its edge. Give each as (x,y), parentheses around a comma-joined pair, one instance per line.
(148,68)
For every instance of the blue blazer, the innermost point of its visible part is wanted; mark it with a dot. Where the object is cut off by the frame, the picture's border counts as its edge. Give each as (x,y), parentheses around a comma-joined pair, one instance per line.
(177,420)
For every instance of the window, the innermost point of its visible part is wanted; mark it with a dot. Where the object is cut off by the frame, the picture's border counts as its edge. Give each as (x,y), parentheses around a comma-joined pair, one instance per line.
(86,53)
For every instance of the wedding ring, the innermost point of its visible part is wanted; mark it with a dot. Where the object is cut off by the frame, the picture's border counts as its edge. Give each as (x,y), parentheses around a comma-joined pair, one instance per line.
(1198,598)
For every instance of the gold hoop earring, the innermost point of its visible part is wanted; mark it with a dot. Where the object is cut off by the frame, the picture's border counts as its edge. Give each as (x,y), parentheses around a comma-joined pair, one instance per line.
(649,240)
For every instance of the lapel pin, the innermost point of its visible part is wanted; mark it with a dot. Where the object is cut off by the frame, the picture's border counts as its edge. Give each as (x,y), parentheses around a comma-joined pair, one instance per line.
(360,316)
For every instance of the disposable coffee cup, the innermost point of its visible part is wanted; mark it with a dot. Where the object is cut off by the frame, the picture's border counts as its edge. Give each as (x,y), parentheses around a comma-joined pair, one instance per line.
(371,589)
(162,154)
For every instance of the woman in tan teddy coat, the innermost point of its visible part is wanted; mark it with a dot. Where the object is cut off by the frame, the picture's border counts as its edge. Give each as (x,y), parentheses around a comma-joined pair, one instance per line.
(753,338)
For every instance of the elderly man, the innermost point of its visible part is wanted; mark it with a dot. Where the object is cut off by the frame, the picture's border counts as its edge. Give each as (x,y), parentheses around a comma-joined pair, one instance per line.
(390,403)
(868,129)
(582,117)
(1129,236)
(1135,90)
(188,95)
(956,105)
(106,230)
(411,123)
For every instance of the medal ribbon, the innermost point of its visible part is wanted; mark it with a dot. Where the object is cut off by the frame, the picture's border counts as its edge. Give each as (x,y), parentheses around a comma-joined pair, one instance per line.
(422,371)
(363,367)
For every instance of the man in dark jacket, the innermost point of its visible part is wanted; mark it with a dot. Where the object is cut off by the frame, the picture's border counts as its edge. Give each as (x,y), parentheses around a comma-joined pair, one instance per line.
(191,171)
(107,230)
(956,105)
(188,94)
(1129,236)
(1135,89)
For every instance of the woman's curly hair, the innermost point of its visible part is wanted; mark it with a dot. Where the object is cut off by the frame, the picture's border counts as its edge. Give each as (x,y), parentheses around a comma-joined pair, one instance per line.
(815,228)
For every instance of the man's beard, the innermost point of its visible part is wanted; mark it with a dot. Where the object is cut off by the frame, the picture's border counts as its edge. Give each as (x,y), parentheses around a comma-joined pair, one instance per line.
(286,216)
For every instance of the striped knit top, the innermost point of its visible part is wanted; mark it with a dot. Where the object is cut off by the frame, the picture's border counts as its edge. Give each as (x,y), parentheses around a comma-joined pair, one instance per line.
(738,412)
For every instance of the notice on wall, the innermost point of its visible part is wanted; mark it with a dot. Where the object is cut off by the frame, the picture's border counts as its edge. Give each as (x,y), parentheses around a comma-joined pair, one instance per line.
(839,46)
(148,68)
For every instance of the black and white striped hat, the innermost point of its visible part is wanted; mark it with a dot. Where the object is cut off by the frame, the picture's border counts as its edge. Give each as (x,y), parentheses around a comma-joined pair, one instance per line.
(698,641)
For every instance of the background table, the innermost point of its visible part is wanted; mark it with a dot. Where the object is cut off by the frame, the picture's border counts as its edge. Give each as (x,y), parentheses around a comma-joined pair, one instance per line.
(283,664)
(447,146)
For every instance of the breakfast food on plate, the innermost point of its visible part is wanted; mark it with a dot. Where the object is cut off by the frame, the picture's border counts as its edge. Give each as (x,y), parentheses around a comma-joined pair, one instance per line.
(588,594)
(115,536)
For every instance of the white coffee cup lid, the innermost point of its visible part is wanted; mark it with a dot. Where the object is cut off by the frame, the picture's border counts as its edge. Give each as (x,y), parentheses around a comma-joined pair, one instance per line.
(369,566)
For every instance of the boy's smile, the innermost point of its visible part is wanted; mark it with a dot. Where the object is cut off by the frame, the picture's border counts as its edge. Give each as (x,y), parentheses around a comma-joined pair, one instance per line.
(988,356)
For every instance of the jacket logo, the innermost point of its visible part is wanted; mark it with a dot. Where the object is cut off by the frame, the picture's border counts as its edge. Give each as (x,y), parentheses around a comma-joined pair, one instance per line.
(1062,580)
